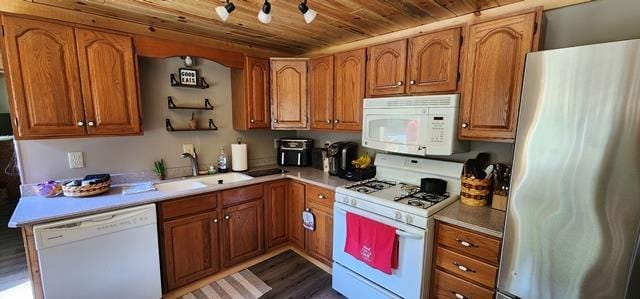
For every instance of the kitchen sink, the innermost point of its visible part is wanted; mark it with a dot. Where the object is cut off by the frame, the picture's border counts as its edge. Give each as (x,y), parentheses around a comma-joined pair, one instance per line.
(201,181)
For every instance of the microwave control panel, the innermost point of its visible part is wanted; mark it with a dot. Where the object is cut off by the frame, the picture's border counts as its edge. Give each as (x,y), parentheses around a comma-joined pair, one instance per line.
(438,127)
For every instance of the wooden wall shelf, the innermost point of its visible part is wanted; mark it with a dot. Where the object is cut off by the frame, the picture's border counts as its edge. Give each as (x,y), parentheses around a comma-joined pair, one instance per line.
(172,106)
(170,128)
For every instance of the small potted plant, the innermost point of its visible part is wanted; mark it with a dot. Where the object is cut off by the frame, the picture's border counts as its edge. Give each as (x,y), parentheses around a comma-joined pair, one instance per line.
(159,169)
(193,122)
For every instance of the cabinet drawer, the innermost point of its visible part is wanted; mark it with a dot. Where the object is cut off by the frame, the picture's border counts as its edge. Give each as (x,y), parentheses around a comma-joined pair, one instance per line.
(242,194)
(320,195)
(468,268)
(449,286)
(188,205)
(470,243)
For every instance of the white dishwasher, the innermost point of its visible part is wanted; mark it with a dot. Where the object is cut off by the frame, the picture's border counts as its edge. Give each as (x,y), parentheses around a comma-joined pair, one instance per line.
(108,255)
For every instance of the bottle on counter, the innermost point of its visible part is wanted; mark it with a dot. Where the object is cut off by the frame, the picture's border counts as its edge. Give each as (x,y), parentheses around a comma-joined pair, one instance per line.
(222,161)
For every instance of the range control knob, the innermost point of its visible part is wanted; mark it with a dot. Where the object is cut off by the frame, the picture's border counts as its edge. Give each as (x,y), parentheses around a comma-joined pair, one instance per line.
(398,215)
(345,200)
(354,202)
(408,219)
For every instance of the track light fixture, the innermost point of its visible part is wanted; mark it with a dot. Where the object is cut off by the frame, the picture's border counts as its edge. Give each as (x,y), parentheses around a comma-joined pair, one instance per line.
(308,13)
(224,11)
(265,13)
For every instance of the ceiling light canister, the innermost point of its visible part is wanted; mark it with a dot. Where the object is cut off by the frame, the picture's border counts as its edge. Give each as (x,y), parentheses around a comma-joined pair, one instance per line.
(308,13)
(224,11)
(265,13)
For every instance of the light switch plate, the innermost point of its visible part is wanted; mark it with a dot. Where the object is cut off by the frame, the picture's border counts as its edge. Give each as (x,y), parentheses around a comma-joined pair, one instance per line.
(76,159)
(188,148)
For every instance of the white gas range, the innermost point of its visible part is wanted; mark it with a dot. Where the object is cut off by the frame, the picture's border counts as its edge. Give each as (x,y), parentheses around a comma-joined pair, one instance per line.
(393,198)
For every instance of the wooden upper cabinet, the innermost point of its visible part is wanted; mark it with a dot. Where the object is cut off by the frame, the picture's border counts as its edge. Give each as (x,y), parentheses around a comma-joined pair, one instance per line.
(109,84)
(250,94)
(433,61)
(190,248)
(42,69)
(276,213)
(386,68)
(242,232)
(349,89)
(289,93)
(321,92)
(493,76)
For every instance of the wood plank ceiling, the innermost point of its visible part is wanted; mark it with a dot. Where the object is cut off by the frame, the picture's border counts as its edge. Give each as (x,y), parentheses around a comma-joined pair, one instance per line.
(338,21)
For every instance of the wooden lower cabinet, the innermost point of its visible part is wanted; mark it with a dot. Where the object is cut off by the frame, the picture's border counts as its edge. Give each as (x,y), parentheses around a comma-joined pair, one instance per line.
(242,232)
(276,216)
(295,207)
(320,241)
(190,248)
(465,263)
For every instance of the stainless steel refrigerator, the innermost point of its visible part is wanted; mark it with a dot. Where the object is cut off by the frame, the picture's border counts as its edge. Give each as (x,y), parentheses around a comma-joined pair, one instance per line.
(574,209)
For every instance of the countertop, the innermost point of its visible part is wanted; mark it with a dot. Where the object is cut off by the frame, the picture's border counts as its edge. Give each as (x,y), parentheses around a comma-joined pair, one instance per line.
(481,219)
(39,209)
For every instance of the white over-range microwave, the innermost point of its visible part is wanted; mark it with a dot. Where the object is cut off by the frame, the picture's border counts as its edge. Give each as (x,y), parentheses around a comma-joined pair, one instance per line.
(417,125)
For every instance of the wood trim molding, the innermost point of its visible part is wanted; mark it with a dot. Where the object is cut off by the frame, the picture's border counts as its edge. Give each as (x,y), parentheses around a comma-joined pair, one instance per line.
(161,48)
(470,18)
(27,8)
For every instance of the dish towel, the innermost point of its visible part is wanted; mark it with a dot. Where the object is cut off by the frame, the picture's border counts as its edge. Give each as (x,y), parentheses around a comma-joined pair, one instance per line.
(372,242)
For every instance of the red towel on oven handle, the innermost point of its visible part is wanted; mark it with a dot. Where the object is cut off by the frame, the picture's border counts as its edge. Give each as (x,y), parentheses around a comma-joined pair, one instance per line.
(372,242)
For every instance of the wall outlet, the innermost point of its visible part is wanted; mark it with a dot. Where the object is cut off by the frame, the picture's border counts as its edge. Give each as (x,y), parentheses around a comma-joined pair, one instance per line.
(188,148)
(76,159)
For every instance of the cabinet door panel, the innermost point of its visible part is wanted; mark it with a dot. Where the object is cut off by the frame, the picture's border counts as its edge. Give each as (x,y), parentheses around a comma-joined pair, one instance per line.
(433,61)
(190,249)
(242,232)
(386,68)
(289,93)
(109,82)
(42,69)
(276,213)
(349,88)
(320,241)
(295,207)
(321,92)
(493,79)
(257,71)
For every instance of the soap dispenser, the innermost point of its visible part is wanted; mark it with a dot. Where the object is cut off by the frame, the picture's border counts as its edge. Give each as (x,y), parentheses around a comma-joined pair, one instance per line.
(222,161)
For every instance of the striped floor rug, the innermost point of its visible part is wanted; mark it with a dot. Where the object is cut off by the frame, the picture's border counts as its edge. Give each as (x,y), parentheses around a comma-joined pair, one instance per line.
(240,285)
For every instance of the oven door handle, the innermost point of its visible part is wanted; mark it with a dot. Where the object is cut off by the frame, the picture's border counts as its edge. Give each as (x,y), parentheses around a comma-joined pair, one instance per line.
(402,233)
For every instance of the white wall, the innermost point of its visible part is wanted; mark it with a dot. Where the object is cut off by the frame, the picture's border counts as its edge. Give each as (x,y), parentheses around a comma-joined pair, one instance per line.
(4,100)
(47,159)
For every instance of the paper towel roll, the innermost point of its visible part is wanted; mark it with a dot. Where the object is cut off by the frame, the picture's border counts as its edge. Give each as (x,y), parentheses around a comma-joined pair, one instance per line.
(239,157)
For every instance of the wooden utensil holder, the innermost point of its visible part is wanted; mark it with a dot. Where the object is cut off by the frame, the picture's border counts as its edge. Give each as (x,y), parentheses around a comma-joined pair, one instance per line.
(475,192)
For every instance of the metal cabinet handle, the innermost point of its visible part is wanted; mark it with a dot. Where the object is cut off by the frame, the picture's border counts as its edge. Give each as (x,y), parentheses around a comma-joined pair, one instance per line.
(226,217)
(412,82)
(400,83)
(336,121)
(463,267)
(91,124)
(275,121)
(215,220)
(80,124)
(328,121)
(321,196)
(465,125)
(307,210)
(252,120)
(466,243)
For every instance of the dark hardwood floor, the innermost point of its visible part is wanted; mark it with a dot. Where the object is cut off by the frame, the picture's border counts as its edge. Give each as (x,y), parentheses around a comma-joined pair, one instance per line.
(13,263)
(291,276)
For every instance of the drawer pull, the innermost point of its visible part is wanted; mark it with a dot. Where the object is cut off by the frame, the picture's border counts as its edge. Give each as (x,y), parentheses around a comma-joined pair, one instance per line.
(458,295)
(466,243)
(320,196)
(463,267)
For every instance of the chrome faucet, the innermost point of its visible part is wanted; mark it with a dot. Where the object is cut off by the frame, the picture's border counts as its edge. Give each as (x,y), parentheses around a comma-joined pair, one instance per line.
(194,163)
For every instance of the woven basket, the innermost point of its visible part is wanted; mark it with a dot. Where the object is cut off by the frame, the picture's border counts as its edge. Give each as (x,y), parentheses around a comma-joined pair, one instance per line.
(86,190)
(475,192)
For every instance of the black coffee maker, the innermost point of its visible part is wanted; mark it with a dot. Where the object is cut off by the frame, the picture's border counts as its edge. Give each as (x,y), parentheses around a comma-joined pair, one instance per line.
(340,156)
